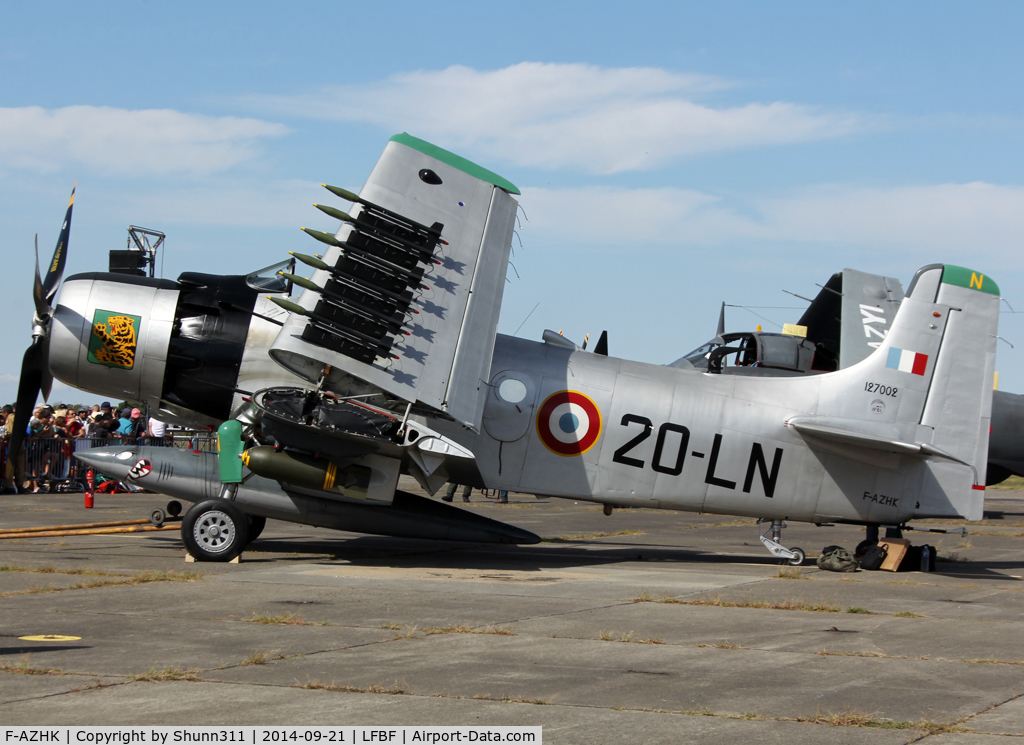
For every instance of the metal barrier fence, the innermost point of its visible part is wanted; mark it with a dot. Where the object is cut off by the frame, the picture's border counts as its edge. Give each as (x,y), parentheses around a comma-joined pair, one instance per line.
(51,459)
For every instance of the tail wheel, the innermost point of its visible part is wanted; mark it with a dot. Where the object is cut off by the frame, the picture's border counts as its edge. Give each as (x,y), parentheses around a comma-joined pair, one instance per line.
(799,558)
(215,530)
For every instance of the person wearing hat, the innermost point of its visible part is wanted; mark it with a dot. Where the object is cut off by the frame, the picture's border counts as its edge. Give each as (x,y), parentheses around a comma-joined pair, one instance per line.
(124,423)
(95,428)
(138,423)
(107,416)
(76,424)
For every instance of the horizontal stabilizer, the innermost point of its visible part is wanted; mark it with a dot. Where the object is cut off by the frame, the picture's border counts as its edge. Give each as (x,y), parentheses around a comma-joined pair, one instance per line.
(848,438)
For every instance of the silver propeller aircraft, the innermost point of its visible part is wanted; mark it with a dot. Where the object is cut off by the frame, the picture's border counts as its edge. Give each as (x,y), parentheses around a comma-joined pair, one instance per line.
(388,362)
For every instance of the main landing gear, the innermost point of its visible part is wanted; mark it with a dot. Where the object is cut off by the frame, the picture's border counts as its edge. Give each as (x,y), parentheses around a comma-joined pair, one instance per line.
(795,556)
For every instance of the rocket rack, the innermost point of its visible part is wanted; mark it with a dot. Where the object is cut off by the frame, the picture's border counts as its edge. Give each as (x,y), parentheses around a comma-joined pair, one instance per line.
(365,304)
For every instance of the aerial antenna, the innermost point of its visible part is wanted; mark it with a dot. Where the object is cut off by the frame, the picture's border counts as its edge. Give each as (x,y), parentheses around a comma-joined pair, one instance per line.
(834,292)
(799,296)
(527,317)
(721,322)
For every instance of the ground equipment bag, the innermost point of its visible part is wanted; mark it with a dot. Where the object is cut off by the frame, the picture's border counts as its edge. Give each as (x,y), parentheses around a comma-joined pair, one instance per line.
(873,557)
(913,562)
(837,559)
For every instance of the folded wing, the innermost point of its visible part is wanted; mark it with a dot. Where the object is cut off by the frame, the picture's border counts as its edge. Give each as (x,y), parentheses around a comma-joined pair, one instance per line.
(407,296)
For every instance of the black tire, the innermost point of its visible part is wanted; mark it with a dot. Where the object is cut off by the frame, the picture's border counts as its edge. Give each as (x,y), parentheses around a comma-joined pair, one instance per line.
(158,517)
(256,526)
(173,508)
(799,558)
(215,530)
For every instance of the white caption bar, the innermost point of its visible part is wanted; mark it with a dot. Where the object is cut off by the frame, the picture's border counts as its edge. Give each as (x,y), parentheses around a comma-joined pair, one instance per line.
(268,735)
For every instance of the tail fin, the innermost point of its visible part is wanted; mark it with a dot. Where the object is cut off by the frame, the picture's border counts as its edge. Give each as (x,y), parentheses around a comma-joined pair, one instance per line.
(962,382)
(926,391)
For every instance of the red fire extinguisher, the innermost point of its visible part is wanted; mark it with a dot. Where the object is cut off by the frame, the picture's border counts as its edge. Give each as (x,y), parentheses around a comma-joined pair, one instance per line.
(90,484)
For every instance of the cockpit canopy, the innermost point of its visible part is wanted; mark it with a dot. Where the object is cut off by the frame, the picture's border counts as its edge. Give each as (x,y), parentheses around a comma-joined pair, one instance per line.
(742,353)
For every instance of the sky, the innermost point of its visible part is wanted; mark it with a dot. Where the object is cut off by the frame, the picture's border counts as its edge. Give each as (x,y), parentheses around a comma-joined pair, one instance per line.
(671,155)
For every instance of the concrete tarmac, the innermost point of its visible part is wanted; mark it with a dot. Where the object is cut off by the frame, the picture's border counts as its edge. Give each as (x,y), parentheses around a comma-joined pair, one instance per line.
(645,626)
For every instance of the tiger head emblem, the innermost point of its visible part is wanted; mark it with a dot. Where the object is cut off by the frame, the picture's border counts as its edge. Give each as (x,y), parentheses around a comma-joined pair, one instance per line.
(114,339)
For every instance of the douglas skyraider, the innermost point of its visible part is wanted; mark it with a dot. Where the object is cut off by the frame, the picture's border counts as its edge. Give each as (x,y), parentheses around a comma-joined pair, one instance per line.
(388,362)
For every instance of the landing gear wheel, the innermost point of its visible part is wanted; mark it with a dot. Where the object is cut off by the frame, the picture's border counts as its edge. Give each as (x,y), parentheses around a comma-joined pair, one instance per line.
(256,526)
(799,558)
(215,530)
(173,508)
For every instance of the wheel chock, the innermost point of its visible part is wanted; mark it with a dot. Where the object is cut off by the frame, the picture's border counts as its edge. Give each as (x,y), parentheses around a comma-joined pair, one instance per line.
(190,559)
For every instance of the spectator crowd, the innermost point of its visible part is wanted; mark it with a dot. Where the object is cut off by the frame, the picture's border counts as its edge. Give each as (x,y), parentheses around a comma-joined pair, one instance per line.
(99,422)
(51,431)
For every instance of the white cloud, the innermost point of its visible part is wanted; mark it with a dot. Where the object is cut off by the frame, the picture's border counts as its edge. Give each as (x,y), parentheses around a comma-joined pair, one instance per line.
(966,217)
(270,204)
(599,120)
(975,219)
(120,141)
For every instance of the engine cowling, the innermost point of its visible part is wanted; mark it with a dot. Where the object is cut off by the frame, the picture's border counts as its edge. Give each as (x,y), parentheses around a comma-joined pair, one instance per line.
(111,333)
(176,345)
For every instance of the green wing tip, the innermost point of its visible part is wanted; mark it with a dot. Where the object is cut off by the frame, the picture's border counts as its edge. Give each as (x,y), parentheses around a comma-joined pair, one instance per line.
(455,161)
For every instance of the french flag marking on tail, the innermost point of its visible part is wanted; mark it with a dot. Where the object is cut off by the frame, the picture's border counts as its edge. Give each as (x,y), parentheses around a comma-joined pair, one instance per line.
(906,361)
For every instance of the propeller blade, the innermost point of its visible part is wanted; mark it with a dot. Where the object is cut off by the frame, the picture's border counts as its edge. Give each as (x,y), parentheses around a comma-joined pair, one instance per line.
(46,377)
(36,377)
(38,293)
(55,271)
(32,368)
